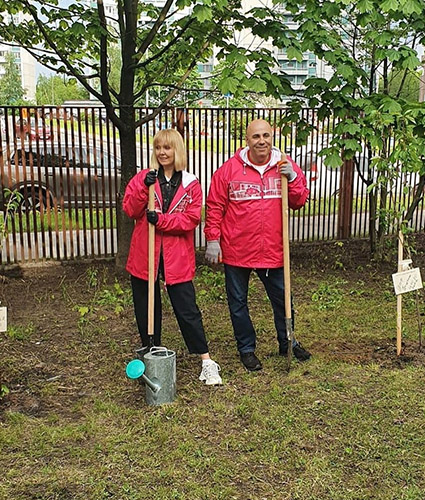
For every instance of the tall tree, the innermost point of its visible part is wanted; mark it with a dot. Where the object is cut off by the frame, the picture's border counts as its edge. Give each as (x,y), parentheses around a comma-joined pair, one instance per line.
(156,44)
(11,90)
(55,90)
(364,40)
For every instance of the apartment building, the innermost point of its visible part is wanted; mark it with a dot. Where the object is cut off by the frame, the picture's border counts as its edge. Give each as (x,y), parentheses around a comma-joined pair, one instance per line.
(27,68)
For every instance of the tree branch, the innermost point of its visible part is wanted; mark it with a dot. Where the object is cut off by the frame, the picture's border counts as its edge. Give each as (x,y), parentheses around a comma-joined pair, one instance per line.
(167,100)
(167,47)
(104,59)
(155,28)
(62,57)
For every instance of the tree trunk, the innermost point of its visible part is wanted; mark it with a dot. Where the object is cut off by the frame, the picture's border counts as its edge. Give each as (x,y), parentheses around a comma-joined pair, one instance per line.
(383,225)
(128,170)
(419,193)
(372,221)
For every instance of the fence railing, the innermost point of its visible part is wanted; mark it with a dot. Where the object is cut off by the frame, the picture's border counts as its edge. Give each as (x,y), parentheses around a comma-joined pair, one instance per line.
(65,162)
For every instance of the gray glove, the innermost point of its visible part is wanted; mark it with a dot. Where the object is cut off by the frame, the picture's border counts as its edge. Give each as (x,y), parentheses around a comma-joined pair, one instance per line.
(213,252)
(287,170)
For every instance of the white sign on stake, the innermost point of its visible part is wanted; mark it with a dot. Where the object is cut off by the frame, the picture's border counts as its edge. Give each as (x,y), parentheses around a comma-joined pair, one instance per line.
(407,281)
(3,319)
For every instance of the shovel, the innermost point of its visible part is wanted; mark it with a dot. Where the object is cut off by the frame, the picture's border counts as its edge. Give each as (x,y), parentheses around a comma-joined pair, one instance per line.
(151,268)
(286,265)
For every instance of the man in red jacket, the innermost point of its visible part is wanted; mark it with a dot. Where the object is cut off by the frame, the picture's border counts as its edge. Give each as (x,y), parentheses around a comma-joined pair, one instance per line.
(244,231)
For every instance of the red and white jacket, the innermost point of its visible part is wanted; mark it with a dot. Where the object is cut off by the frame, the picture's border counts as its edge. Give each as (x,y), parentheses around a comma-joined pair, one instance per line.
(244,211)
(174,231)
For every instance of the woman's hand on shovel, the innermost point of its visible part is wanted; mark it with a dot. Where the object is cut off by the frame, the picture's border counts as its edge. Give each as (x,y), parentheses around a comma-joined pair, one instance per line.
(152,216)
(150,178)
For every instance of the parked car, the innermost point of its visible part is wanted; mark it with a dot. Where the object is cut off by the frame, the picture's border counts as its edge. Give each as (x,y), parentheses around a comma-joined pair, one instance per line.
(60,176)
(32,130)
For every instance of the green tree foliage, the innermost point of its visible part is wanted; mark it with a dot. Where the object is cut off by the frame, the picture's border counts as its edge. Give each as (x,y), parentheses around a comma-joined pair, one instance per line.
(240,100)
(11,90)
(189,94)
(365,41)
(403,84)
(55,90)
(157,45)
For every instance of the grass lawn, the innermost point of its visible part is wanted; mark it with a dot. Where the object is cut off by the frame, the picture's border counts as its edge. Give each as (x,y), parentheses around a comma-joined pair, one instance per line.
(348,424)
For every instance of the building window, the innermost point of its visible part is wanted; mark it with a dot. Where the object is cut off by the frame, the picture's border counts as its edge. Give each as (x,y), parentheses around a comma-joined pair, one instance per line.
(293,65)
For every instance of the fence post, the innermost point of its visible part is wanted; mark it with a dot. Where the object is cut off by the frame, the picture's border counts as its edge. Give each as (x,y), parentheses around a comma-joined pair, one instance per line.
(345,207)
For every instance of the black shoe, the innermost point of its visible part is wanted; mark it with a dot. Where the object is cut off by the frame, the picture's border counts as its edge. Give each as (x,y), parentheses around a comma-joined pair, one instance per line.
(140,353)
(299,352)
(250,361)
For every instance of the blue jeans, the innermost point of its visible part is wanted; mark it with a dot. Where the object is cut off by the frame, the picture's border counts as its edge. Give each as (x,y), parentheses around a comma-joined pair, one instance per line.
(237,279)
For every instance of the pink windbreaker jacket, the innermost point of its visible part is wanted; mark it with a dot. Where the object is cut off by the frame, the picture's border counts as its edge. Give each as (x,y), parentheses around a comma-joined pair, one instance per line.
(244,212)
(174,231)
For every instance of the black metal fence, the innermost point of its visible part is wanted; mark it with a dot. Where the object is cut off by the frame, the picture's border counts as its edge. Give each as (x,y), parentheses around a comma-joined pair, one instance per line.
(62,168)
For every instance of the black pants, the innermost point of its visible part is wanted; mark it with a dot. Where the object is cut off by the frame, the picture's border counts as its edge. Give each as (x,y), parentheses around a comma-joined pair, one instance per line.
(188,315)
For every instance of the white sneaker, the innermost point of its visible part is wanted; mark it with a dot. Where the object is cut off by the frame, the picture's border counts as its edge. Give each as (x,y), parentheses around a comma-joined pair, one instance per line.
(209,374)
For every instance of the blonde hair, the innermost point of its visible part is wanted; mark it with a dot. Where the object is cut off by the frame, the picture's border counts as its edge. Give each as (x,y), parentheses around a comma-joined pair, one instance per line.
(175,140)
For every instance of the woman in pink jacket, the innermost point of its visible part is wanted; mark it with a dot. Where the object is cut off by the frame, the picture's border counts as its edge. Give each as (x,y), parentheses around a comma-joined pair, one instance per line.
(178,203)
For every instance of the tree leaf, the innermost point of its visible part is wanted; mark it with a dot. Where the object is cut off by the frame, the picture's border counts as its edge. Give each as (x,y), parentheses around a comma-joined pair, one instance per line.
(345,71)
(202,13)
(294,53)
(411,6)
(365,6)
(333,160)
(410,62)
(390,105)
(257,85)
(229,85)
(388,5)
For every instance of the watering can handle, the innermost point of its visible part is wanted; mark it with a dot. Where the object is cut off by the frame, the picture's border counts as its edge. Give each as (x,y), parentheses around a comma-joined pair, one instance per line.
(158,349)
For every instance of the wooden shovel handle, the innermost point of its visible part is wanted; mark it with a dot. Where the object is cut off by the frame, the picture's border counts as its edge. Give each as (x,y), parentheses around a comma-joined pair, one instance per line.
(151,264)
(285,240)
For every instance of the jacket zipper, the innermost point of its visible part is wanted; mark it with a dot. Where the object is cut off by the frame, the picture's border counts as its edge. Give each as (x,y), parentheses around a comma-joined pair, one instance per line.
(177,204)
(170,211)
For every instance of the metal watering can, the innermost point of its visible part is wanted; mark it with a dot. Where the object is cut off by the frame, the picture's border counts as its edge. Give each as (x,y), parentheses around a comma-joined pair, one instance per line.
(158,372)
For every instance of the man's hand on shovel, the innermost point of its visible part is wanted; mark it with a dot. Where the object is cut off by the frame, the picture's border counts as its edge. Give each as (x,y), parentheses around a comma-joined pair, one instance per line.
(287,169)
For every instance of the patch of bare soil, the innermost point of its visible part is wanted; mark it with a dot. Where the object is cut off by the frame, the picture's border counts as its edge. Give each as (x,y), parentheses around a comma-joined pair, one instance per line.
(59,356)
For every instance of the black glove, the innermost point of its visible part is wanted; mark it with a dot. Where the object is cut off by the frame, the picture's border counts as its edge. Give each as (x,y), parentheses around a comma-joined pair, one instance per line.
(150,178)
(152,217)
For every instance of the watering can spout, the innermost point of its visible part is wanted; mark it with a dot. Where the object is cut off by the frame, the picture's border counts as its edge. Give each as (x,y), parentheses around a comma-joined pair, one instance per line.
(155,386)
(136,370)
